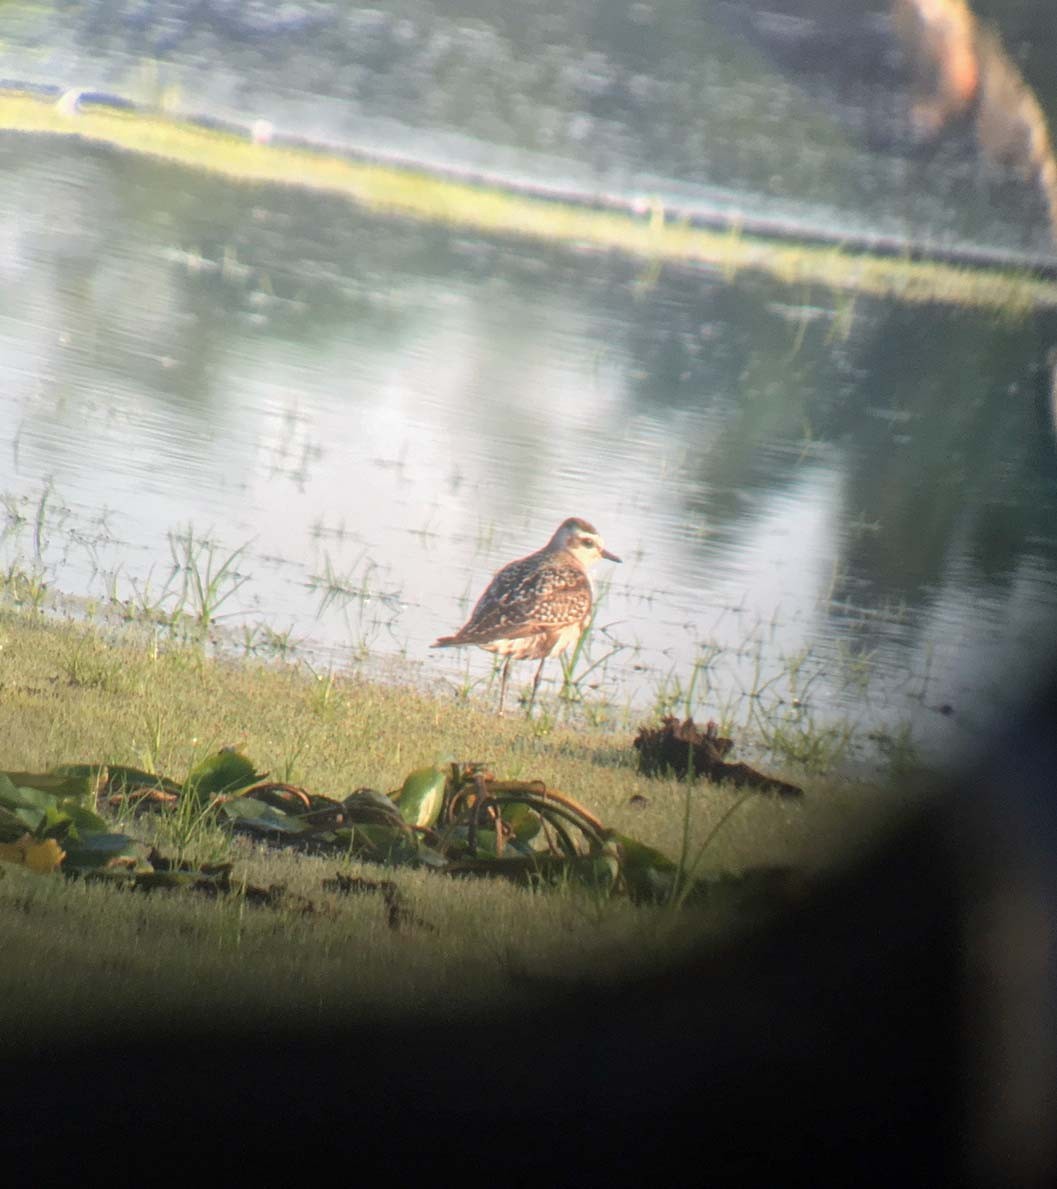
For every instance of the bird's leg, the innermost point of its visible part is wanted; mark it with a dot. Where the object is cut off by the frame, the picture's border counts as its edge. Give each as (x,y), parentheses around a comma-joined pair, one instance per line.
(535,685)
(502,684)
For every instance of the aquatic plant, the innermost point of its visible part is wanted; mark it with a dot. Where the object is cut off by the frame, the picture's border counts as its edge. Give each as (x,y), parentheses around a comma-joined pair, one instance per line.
(209,579)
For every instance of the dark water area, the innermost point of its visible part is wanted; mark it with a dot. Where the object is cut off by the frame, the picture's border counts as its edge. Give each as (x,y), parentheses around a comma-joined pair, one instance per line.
(843,506)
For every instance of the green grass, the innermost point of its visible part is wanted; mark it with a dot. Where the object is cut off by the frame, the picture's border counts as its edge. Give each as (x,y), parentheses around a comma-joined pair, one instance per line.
(80,956)
(764,701)
(208,579)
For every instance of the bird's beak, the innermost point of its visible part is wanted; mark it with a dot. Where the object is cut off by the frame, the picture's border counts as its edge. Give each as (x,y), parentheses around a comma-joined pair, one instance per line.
(609,556)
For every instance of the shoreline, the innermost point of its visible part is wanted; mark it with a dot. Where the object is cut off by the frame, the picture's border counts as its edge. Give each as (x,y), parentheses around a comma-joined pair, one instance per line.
(726,241)
(69,694)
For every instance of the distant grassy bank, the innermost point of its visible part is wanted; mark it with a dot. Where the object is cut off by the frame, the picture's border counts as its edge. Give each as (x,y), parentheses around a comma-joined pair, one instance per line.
(80,955)
(488,208)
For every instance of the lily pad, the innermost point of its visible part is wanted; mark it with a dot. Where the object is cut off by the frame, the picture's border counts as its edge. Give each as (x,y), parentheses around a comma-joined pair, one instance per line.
(117,779)
(422,796)
(84,821)
(258,816)
(22,797)
(371,807)
(226,771)
(525,822)
(379,844)
(649,875)
(117,852)
(79,786)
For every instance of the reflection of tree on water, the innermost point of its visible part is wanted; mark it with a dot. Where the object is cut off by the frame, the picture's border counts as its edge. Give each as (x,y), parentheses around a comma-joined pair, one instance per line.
(951,458)
(930,417)
(962,74)
(916,75)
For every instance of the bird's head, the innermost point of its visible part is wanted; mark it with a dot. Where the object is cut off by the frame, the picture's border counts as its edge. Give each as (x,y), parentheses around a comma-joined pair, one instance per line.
(581,539)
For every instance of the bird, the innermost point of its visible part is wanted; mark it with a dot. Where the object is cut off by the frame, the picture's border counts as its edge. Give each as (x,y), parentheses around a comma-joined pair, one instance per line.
(538,605)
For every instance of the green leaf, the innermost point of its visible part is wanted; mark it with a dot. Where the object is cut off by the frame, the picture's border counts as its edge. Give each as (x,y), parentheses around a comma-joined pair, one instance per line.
(78,787)
(649,874)
(118,778)
(380,844)
(265,819)
(226,771)
(12,827)
(117,852)
(638,854)
(426,856)
(86,772)
(83,820)
(31,819)
(24,798)
(525,822)
(23,809)
(422,795)
(372,808)
(44,813)
(122,779)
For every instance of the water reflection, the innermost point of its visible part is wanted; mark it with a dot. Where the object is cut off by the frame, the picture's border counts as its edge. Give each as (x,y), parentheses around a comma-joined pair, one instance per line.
(833,115)
(848,504)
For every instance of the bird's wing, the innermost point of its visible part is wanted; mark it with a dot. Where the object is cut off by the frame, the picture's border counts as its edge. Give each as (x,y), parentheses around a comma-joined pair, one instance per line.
(526,599)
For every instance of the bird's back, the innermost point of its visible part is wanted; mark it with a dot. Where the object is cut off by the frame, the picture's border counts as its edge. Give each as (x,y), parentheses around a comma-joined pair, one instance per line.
(543,593)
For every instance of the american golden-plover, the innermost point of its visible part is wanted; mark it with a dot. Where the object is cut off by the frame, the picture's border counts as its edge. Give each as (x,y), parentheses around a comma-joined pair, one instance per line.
(538,605)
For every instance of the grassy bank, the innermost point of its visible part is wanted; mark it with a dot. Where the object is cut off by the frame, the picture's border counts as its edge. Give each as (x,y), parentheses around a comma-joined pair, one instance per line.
(83,956)
(415,193)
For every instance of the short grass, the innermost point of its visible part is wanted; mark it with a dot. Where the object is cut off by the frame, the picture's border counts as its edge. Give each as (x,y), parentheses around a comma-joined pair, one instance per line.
(82,956)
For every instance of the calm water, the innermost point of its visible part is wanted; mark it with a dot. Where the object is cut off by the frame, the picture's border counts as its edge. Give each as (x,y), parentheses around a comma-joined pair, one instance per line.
(861,495)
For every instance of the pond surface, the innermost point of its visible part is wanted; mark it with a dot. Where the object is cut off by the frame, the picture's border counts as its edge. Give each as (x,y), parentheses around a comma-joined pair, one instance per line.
(845,504)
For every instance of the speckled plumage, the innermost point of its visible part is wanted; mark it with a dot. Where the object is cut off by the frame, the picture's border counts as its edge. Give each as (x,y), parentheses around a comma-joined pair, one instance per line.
(537,606)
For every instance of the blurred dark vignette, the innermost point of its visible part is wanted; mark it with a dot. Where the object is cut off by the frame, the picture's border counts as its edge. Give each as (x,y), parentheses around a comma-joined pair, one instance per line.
(901,1024)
